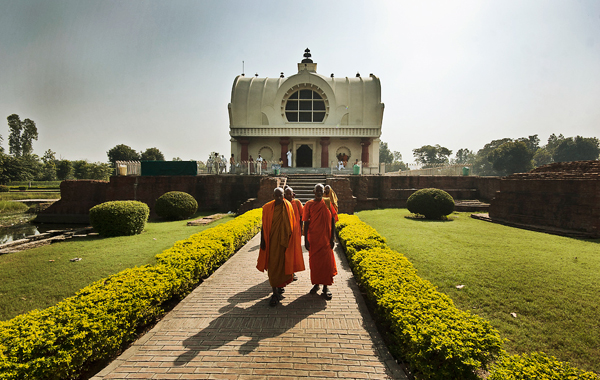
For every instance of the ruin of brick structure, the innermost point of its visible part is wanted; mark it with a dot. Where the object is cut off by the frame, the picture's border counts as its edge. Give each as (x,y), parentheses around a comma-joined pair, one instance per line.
(561,198)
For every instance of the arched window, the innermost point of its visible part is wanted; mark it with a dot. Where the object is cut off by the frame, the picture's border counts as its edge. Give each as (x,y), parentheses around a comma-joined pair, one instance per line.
(305,106)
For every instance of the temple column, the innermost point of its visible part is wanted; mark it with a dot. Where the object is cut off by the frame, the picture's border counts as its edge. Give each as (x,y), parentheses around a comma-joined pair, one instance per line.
(364,157)
(325,152)
(284,141)
(244,154)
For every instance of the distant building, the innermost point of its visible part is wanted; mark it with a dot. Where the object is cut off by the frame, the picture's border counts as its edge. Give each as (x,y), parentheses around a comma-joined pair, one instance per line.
(318,118)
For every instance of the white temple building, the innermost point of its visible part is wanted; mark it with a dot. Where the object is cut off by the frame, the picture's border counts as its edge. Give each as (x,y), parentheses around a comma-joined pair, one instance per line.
(320,119)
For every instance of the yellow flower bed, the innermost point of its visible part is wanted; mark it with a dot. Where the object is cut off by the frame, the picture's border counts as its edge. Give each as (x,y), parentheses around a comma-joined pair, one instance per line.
(60,341)
(438,340)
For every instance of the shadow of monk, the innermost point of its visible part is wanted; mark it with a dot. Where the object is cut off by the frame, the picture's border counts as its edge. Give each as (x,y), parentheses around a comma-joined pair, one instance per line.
(245,327)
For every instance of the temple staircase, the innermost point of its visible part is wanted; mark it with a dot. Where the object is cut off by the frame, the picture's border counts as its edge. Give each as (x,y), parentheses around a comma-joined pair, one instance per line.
(304,184)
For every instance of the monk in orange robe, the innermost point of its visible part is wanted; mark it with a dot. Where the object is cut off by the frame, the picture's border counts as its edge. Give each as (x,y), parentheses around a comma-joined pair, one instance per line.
(319,228)
(276,246)
(298,264)
(331,199)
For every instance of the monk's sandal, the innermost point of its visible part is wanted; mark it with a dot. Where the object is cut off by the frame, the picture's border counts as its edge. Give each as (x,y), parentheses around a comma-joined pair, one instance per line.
(314,289)
(327,293)
(274,300)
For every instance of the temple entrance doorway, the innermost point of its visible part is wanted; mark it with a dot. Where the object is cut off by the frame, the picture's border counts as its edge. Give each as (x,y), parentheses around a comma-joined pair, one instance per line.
(304,157)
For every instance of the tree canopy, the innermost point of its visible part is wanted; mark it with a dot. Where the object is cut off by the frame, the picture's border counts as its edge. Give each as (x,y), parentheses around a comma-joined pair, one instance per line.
(122,152)
(512,157)
(430,155)
(152,154)
(21,135)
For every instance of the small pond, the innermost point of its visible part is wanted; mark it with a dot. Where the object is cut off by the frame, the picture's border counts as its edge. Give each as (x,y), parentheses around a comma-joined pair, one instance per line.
(21,231)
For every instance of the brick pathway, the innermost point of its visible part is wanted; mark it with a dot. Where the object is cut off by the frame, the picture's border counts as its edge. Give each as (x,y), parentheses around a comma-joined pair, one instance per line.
(225,329)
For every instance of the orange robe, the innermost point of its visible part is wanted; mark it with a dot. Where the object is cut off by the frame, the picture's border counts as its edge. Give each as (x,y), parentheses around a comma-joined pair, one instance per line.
(298,264)
(320,256)
(277,227)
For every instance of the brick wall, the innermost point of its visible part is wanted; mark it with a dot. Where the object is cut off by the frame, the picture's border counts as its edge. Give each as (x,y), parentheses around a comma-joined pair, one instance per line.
(373,191)
(561,203)
(215,193)
(241,193)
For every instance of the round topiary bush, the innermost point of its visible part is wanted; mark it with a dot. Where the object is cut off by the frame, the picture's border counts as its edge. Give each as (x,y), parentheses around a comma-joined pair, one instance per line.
(431,203)
(175,205)
(119,218)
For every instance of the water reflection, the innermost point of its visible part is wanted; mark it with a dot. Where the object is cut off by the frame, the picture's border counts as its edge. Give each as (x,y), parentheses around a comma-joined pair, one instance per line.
(21,231)
(8,234)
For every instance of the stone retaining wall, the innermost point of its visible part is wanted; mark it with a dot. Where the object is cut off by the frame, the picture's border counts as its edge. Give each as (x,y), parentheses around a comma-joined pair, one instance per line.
(240,193)
(562,196)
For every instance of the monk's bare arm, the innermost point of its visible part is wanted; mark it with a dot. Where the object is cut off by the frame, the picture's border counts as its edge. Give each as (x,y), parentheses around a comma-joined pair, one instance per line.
(332,241)
(306,243)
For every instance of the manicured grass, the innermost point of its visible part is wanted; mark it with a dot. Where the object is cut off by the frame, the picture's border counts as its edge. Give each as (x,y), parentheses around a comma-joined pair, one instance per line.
(552,283)
(7,207)
(30,280)
(13,195)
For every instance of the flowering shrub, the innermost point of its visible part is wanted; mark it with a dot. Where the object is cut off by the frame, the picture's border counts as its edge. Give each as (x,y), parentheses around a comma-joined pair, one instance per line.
(436,338)
(58,342)
(537,366)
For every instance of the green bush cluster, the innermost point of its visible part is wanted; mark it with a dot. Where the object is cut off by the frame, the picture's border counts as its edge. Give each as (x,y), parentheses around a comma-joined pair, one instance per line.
(119,218)
(4,189)
(431,203)
(438,340)
(60,341)
(537,366)
(175,205)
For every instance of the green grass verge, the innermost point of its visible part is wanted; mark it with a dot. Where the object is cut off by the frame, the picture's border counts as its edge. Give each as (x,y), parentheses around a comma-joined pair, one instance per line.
(15,195)
(29,280)
(8,207)
(552,283)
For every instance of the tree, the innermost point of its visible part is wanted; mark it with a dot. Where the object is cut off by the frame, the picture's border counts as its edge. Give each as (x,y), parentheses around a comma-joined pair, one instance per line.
(385,155)
(512,157)
(48,169)
(84,170)
(21,135)
(463,156)
(481,164)
(542,157)
(577,149)
(152,154)
(429,155)
(64,170)
(122,152)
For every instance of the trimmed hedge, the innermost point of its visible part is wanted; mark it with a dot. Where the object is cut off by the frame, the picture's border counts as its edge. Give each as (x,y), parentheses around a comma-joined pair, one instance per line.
(119,218)
(537,366)
(62,340)
(175,205)
(438,340)
(4,189)
(431,203)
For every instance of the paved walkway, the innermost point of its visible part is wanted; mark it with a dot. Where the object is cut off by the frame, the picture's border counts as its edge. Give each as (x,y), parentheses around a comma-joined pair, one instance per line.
(225,329)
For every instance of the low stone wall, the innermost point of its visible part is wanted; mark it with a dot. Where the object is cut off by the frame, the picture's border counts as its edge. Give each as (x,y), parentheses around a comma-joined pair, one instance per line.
(221,193)
(562,196)
(239,193)
(373,191)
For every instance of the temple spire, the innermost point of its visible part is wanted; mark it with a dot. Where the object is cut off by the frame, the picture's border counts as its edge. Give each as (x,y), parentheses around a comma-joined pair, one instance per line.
(307,63)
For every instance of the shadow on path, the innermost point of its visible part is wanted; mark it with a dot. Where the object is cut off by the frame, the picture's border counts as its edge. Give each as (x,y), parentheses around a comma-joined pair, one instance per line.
(257,322)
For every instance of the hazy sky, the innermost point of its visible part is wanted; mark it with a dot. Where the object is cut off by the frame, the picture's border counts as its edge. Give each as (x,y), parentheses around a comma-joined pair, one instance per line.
(94,74)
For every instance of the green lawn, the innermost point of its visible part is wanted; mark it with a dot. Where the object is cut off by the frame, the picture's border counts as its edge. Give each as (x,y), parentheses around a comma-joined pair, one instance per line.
(14,195)
(552,283)
(30,280)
